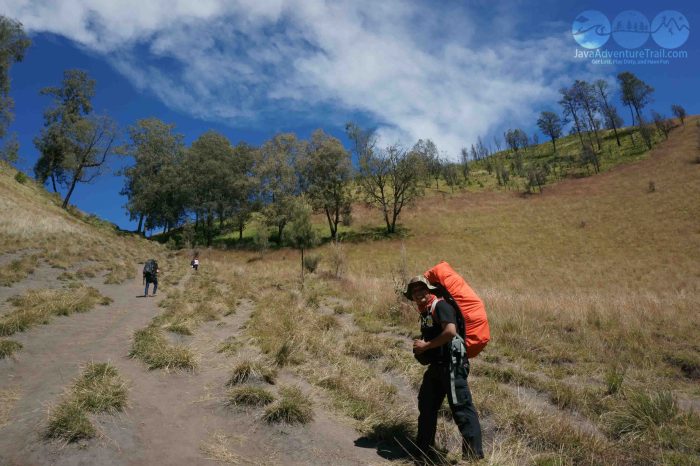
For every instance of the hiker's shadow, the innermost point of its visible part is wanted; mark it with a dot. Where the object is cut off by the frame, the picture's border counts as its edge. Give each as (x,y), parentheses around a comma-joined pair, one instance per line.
(389,450)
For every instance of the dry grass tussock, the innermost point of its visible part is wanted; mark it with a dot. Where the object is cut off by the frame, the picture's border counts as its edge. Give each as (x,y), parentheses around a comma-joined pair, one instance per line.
(99,389)
(152,347)
(38,306)
(8,348)
(18,269)
(293,407)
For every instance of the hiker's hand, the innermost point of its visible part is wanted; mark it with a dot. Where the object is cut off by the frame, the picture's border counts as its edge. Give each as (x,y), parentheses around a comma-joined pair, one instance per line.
(419,346)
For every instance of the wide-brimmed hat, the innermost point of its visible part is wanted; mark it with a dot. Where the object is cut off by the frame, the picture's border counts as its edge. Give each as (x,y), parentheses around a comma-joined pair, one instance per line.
(415,281)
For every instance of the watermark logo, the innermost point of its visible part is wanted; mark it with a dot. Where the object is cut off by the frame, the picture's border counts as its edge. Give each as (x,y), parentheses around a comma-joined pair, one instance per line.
(631,31)
(670,29)
(591,29)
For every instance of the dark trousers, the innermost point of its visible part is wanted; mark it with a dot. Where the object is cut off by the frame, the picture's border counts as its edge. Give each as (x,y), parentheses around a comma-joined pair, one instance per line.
(148,282)
(437,382)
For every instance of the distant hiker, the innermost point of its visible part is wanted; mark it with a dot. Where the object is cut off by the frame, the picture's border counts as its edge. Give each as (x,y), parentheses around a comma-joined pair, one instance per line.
(443,350)
(195,261)
(150,275)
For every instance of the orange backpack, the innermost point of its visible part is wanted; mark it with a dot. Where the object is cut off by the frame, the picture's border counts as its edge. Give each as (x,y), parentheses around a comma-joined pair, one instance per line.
(455,290)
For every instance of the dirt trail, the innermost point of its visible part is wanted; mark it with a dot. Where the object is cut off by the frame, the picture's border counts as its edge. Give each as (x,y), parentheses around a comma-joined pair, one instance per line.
(172,418)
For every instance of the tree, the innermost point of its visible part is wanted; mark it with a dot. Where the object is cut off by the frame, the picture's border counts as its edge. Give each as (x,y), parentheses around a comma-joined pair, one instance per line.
(210,180)
(481,149)
(536,177)
(428,153)
(584,93)
(275,169)
(589,156)
(89,143)
(679,112)
(451,175)
(635,93)
(465,163)
(71,104)
(516,140)
(612,119)
(241,204)
(10,149)
(157,151)
(550,124)
(300,234)
(389,181)
(497,143)
(13,43)
(663,124)
(327,173)
(571,108)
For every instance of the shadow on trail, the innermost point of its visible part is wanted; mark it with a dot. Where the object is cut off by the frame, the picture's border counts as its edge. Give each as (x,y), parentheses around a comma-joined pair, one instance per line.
(389,450)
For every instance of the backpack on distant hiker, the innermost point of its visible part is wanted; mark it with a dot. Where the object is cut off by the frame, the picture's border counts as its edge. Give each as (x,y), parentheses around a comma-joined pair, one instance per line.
(472,324)
(150,268)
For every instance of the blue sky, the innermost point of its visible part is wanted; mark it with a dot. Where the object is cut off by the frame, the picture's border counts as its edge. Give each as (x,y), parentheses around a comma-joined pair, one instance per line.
(446,70)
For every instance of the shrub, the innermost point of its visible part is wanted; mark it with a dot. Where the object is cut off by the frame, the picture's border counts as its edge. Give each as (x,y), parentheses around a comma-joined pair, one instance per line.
(21,177)
(337,259)
(311,263)
(293,408)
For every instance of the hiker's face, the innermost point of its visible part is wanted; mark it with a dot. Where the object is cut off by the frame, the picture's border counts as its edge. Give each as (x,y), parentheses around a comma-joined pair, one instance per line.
(420,294)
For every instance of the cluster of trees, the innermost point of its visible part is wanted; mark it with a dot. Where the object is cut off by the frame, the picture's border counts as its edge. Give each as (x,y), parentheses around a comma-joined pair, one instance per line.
(587,108)
(218,184)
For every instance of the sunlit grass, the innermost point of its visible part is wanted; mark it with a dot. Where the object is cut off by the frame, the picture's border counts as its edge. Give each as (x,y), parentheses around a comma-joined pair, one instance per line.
(39,306)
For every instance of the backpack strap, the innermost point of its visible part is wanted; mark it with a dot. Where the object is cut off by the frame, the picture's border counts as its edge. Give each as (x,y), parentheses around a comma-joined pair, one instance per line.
(433,306)
(442,293)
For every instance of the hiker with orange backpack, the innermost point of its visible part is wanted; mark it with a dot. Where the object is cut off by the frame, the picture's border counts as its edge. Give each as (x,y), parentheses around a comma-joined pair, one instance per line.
(447,332)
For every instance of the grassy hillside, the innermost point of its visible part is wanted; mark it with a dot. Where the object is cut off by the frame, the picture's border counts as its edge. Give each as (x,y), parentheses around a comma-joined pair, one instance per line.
(34,228)
(592,290)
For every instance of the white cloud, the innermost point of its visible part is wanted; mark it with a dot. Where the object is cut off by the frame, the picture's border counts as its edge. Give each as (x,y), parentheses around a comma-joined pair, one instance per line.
(420,70)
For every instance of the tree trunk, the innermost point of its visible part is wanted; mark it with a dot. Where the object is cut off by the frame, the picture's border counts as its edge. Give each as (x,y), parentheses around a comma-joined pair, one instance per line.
(210,227)
(240,231)
(631,113)
(140,225)
(53,182)
(578,127)
(639,117)
(70,191)
(554,143)
(331,226)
